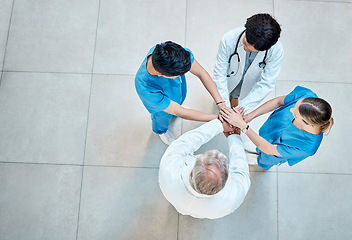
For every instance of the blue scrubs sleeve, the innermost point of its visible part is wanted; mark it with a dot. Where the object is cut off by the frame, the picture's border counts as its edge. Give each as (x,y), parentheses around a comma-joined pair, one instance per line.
(192,56)
(154,101)
(293,154)
(298,93)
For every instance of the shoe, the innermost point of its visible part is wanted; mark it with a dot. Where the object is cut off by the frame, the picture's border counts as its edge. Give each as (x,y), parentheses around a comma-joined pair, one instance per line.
(248,145)
(175,127)
(250,148)
(253,164)
(167,137)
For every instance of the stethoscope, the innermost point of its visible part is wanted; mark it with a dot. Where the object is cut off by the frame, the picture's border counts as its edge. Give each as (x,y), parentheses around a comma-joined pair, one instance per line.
(262,64)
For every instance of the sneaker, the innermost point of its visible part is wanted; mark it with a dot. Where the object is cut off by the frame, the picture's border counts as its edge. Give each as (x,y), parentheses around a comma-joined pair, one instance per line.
(248,145)
(175,127)
(253,164)
(167,137)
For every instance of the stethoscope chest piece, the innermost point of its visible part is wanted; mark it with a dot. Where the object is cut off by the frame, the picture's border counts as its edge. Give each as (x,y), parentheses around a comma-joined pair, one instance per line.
(262,65)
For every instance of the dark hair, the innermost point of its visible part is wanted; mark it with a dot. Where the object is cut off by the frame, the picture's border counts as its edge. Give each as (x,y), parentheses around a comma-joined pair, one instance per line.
(171,59)
(262,31)
(317,111)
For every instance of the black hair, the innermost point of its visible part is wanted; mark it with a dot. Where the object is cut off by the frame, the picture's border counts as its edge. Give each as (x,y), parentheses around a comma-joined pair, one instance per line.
(262,31)
(171,59)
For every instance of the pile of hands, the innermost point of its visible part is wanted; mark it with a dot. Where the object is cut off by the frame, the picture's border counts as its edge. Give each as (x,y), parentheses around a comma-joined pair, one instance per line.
(233,119)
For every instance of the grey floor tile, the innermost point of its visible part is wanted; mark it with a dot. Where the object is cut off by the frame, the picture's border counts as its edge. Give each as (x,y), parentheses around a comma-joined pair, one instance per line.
(5,14)
(333,155)
(198,98)
(255,219)
(39,201)
(55,36)
(315,40)
(315,206)
(124,203)
(43,117)
(120,130)
(208,21)
(128,29)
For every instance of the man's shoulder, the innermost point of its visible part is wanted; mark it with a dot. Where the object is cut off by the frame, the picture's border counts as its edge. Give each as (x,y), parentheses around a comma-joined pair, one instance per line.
(277,48)
(233,34)
(142,76)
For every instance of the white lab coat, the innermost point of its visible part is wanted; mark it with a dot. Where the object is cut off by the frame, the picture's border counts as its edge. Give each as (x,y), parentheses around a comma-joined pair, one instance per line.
(177,164)
(257,83)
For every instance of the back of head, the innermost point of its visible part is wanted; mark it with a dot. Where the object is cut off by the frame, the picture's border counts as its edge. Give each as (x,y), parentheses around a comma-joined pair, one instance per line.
(210,173)
(171,59)
(262,31)
(318,112)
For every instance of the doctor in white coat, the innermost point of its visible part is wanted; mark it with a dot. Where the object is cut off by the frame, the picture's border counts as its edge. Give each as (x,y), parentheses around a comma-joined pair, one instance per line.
(204,186)
(248,62)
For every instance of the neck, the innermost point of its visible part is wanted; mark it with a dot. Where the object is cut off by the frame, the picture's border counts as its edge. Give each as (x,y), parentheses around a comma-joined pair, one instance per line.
(150,69)
(307,128)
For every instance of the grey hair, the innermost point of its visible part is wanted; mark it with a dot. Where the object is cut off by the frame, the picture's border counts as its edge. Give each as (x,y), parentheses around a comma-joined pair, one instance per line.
(210,173)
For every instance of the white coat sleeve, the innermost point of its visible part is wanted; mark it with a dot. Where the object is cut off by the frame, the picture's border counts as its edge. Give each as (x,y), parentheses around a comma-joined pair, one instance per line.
(267,82)
(237,156)
(220,70)
(191,141)
(238,165)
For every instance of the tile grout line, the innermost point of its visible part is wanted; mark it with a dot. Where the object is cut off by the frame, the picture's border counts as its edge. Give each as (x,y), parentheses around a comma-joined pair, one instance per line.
(178,226)
(28,71)
(81,73)
(274,9)
(85,142)
(304,81)
(277,204)
(138,167)
(186,24)
(7,40)
(77,165)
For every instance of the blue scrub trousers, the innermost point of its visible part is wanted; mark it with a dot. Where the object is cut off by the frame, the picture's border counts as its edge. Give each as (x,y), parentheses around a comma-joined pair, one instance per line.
(267,161)
(161,121)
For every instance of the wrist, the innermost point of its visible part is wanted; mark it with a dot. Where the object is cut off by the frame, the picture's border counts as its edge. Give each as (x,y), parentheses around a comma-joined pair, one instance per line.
(243,125)
(244,130)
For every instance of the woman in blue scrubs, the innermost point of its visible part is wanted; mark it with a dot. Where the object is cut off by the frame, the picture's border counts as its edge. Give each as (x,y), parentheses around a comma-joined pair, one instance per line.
(293,131)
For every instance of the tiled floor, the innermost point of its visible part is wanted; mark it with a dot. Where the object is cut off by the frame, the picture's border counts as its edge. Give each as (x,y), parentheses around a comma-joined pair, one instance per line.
(78,159)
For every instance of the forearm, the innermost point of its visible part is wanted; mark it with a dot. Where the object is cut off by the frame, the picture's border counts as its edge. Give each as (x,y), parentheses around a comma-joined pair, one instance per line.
(211,87)
(237,156)
(261,143)
(268,106)
(195,115)
(192,140)
(189,114)
(207,81)
(258,93)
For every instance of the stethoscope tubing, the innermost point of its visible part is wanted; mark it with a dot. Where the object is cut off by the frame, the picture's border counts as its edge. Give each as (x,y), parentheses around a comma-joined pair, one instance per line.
(262,64)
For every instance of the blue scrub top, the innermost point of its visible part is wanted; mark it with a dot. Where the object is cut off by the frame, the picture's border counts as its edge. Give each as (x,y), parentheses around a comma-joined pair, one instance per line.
(156,92)
(293,144)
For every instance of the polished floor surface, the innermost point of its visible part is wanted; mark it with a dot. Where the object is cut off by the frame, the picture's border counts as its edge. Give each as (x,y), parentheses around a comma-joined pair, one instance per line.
(78,159)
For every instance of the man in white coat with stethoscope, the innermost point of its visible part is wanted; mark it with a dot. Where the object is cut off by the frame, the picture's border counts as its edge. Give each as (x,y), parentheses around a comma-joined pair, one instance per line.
(248,62)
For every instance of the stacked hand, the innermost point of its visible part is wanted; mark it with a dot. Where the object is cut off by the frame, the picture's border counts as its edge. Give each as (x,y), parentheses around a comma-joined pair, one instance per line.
(230,128)
(234,117)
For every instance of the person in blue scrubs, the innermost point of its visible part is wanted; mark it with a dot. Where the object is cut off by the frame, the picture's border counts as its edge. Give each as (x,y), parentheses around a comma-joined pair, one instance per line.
(162,87)
(293,131)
